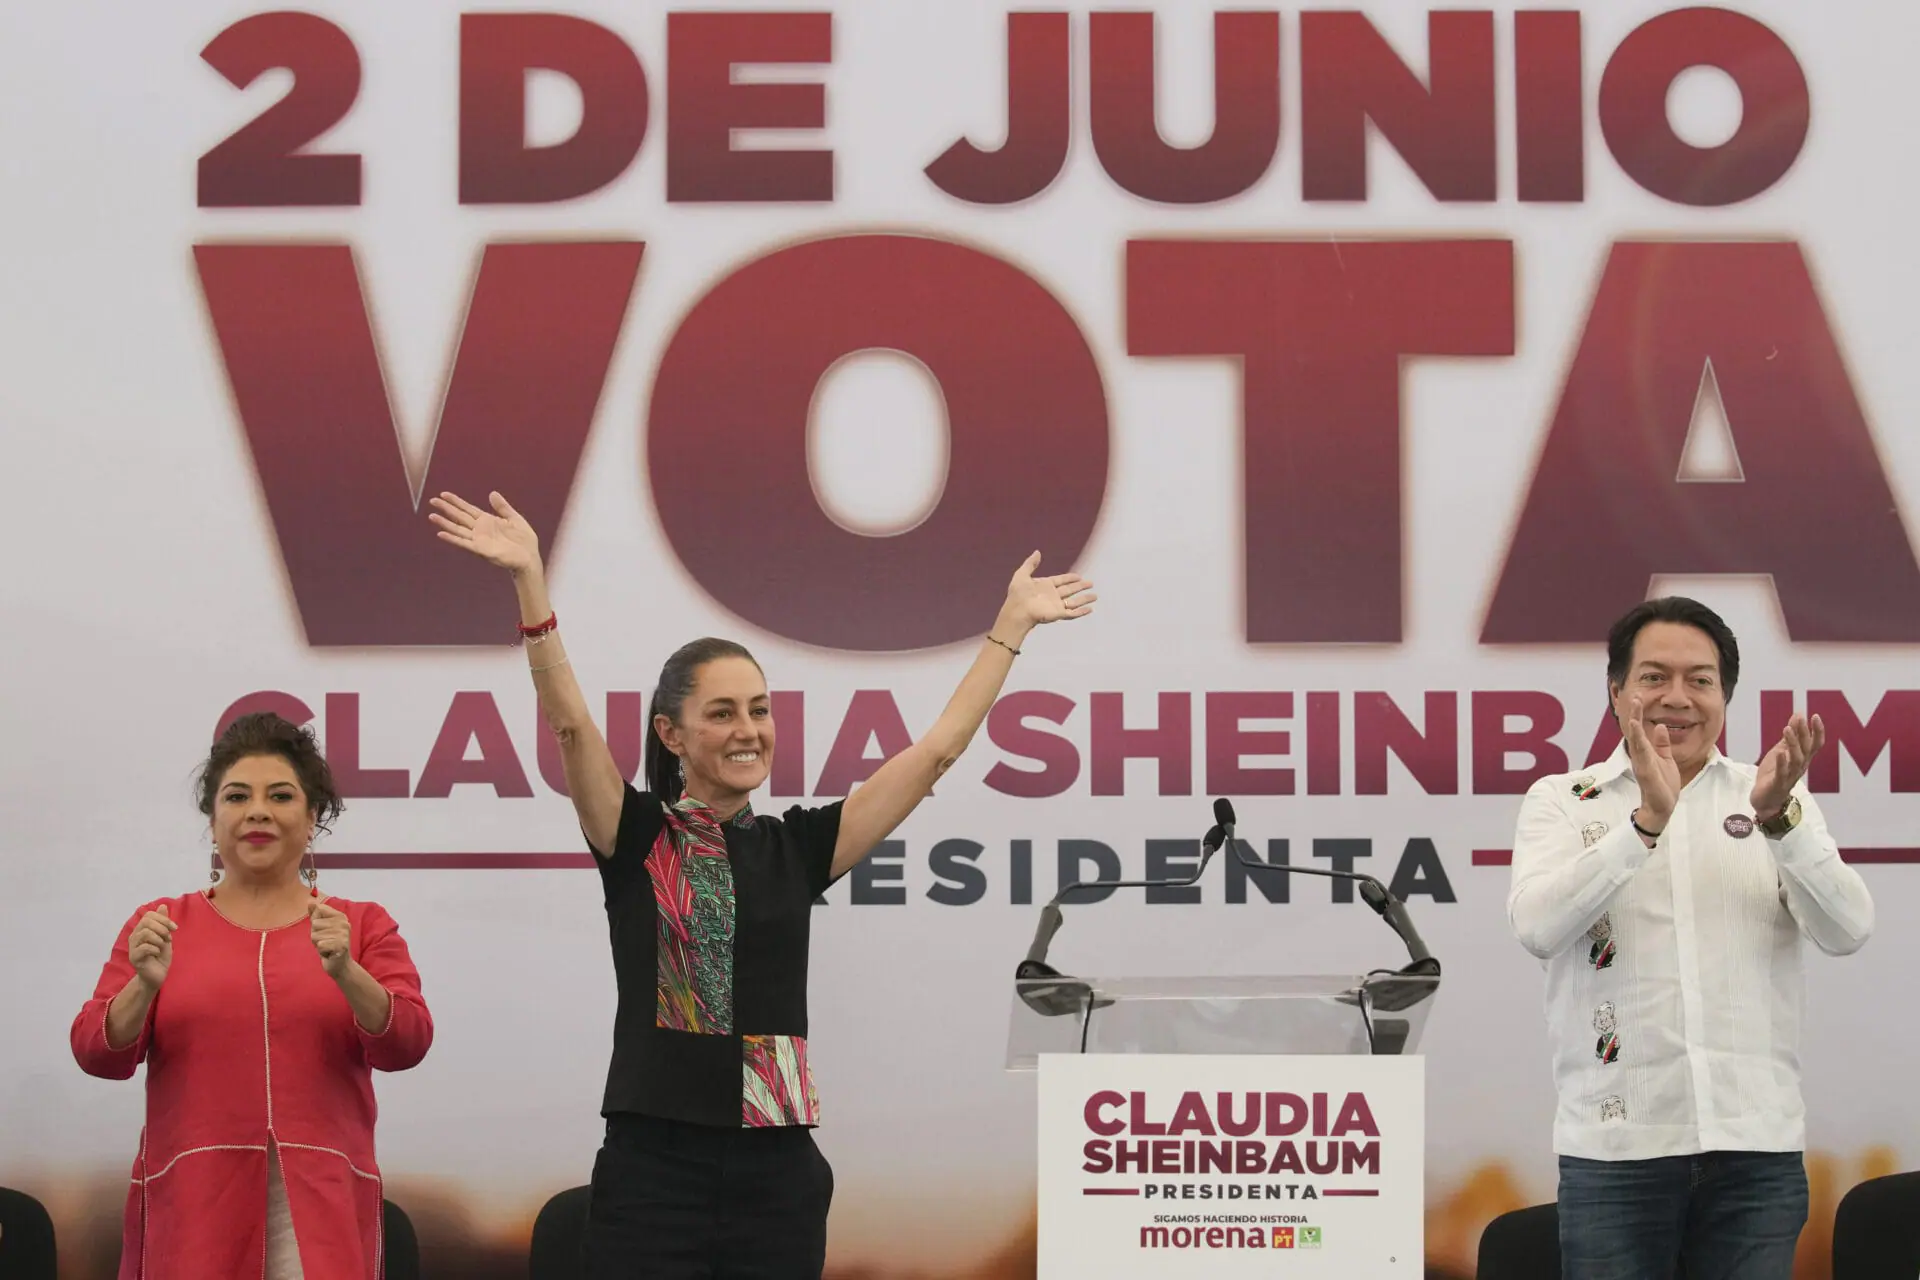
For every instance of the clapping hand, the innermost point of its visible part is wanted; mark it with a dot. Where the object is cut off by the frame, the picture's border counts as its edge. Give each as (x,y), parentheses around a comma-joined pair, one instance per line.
(1782,767)
(1653,767)
(150,946)
(332,935)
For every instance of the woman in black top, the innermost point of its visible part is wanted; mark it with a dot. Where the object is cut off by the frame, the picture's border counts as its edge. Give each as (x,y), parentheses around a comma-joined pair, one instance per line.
(709,1168)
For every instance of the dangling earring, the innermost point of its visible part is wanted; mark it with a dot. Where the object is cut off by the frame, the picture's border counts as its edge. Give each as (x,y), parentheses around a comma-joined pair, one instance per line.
(213,872)
(310,871)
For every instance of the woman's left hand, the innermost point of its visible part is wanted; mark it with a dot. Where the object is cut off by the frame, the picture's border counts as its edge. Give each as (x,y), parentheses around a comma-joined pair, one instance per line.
(332,937)
(1033,602)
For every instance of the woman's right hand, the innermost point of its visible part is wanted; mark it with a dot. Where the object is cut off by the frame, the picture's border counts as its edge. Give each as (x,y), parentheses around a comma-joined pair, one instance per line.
(502,538)
(150,947)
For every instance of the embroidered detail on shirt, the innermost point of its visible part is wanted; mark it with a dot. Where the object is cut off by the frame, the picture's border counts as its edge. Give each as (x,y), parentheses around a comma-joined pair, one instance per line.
(1584,788)
(1607,1047)
(1612,1108)
(1591,833)
(1600,954)
(1738,825)
(778,1083)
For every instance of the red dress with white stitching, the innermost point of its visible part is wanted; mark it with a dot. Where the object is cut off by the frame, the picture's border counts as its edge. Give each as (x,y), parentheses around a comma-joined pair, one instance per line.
(250,1040)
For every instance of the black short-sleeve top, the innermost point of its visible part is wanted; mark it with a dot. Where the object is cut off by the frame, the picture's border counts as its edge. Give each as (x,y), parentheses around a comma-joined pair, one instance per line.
(709,923)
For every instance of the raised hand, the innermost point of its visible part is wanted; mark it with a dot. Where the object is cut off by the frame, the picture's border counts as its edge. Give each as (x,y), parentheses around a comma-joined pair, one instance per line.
(1782,767)
(501,537)
(150,947)
(1033,602)
(332,935)
(1653,767)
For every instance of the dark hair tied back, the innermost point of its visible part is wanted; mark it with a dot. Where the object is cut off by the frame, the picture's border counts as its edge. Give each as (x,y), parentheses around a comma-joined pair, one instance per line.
(263,733)
(670,694)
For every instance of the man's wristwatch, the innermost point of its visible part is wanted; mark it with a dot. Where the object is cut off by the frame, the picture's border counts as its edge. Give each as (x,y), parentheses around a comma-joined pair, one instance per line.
(1786,820)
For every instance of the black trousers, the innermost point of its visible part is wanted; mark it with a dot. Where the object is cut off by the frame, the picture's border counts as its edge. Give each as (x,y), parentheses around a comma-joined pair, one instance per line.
(675,1201)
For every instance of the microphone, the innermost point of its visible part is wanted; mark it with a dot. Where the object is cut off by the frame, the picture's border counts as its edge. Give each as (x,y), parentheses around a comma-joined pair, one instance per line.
(1372,892)
(1422,964)
(1394,912)
(1069,994)
(1223,816)
(1051,918)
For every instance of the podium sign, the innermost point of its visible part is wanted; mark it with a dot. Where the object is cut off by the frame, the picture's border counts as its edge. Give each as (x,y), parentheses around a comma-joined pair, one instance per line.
(1158,1166)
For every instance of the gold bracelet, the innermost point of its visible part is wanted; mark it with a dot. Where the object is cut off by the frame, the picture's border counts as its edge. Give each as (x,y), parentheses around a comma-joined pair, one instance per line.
(550,666)
(1003,644)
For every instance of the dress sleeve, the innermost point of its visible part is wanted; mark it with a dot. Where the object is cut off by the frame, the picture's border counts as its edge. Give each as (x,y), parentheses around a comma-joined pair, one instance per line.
(90,1048)
(641,821)
(382,952)
(816,831)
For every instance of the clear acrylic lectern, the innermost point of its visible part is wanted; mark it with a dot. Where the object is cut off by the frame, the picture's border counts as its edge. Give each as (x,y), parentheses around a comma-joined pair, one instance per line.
(1381,1013)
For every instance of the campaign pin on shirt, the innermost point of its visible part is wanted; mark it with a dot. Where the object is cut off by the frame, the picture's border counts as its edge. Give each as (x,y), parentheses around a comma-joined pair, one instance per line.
(1584,788)
(1738,825)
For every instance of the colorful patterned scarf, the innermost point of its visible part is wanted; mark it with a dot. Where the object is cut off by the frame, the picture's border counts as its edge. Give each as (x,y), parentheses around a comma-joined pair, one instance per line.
(693,894)
(693,887)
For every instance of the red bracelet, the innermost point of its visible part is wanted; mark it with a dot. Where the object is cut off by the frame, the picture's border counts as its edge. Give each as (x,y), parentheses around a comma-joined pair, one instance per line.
(534,632)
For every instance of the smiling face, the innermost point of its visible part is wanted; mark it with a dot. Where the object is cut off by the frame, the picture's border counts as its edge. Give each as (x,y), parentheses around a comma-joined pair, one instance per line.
(1675,672)
(262,821)
(724,736)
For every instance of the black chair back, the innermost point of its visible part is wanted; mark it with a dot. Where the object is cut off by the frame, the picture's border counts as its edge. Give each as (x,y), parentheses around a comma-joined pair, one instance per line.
(26,1238)
(558,1234)
(1876,1231)
(399,1246)
(1522,1245)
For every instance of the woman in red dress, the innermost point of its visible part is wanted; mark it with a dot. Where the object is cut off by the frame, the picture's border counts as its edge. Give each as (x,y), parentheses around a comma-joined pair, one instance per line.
(261,1009)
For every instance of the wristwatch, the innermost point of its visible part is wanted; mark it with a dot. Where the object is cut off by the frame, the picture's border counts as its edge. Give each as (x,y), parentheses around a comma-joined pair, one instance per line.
(1786,820)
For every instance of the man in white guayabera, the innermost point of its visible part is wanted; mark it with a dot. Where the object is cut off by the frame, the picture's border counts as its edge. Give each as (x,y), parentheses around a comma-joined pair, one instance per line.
(1666,891)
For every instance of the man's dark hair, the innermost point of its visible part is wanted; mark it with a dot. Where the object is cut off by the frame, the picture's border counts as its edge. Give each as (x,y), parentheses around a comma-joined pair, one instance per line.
(1678,609)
